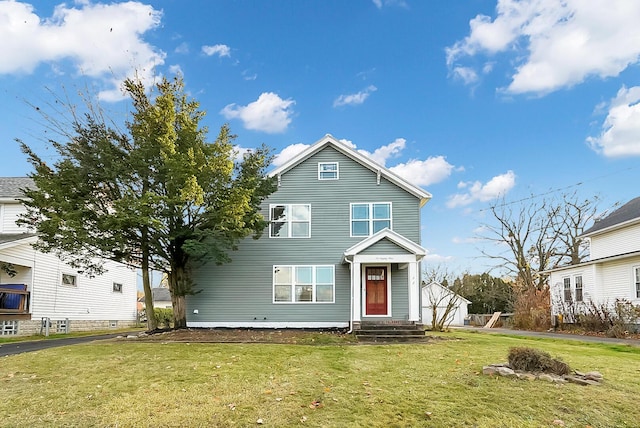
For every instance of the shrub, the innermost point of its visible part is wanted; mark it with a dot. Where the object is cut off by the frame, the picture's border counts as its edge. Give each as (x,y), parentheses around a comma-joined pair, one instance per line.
(532,310)
(164,316)
(535,360)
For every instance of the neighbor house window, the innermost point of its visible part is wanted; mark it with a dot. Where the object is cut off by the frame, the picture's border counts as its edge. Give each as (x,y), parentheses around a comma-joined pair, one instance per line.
(69,280)
(369,218)
(328,171)
(290,221)
(578,280)
(567,289)
(303,284)
(636,271)
(117,287)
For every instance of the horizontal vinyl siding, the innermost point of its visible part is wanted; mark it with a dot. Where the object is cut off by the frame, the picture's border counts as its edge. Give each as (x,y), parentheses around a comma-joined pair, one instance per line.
(621,241)
(10,214)
(384,246)
(618,281)
(242,290)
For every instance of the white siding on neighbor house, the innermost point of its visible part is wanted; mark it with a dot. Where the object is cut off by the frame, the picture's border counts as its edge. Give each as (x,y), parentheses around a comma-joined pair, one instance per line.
(621,241)
(92,298)
(435,295)
(589,290)
(618,280)
(9,213)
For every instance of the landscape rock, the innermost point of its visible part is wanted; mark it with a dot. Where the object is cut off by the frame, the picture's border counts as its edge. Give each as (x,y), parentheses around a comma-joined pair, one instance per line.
(506,372)
(580,380)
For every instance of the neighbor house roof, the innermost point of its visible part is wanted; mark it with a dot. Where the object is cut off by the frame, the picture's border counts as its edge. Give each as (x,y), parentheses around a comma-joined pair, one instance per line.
(10,187)
(8,240)
(445,290)
(161,294)
(627,214)
(329,140)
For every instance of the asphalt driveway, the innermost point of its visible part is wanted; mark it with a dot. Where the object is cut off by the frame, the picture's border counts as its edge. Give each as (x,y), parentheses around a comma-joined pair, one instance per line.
(37,345)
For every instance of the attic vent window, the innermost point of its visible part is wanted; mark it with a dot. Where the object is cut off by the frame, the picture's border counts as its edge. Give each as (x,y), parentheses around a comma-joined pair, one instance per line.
(328,170)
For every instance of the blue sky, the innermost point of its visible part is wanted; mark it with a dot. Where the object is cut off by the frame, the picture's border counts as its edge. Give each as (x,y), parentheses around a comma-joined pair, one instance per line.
(474,100)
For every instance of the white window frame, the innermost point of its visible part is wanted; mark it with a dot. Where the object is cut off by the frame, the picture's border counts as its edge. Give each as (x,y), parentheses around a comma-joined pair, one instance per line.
(635,276)
(289,221)
(71,275)
(566,281)
(321,171)
(293,284)
(117,287)
(370,219)
(575,288)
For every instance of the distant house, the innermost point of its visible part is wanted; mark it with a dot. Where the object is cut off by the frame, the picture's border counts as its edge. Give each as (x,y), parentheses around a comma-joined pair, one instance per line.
(161,297)
(342,248)
(613,269)
(36,286)
(435,295)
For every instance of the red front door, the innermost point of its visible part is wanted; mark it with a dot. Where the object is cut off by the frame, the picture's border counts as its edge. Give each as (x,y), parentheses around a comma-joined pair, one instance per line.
(376,290)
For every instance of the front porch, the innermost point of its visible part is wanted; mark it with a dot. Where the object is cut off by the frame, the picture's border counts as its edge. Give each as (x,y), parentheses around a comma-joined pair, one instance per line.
(385,272)
(14,302)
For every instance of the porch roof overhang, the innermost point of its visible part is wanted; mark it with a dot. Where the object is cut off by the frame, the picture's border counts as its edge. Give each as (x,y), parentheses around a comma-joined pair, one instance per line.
(411,247)
(12,240)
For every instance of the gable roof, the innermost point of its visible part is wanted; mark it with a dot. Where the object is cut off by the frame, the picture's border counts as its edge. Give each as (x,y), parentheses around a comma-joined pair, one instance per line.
(392,236)
(445,290)
(160,294)
(9,240)
(627,214)
(10,186)
(329,140)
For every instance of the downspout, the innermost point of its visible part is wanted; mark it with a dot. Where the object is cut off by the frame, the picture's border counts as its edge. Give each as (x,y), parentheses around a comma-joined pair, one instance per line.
(351,293)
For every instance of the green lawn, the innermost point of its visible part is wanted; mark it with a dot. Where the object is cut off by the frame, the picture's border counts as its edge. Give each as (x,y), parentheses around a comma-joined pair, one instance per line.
(130,384)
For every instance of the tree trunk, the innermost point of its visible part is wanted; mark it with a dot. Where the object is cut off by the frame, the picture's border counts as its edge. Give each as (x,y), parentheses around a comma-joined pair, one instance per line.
(152,323)
(178,288)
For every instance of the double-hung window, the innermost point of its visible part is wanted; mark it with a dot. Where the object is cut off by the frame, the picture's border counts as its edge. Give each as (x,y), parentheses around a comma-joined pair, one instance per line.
(328,170)
(303,284)
(567,289)
(290,221)
(636,274)
(578,284)
(369,218)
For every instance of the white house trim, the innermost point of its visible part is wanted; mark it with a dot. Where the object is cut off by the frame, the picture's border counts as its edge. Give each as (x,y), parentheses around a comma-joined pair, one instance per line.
(264,324)
(392,236)
(363,288)
(363,160)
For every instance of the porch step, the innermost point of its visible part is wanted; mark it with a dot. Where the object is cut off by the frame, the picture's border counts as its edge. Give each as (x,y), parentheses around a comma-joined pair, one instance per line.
(381,333)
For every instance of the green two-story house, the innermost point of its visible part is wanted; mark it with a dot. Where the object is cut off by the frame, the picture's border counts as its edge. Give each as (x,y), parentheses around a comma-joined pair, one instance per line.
(343,247)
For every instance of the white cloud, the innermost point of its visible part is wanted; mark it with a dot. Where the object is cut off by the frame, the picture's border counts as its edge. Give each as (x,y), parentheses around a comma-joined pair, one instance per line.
(182,48)
(175,69)
(382,154)
(102,41)
(620,134)
(269,113)
(220,50)
(495,188)
(467,74)
(562,43)
(289,152)
(424,172)
(437,258)
(380,3)
(354,99)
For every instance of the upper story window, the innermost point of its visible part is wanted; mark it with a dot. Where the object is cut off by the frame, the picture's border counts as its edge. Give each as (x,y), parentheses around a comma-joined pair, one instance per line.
(636,274)
(369,218)
(578,281)
(567,289)
(69,280)
(117,287)
(290,221)
(328,170)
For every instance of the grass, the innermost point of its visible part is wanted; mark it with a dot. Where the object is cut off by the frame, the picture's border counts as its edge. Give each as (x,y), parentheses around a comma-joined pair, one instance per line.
(130,384)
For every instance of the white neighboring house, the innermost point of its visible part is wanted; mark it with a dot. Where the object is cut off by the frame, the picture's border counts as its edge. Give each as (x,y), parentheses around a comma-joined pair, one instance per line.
(46,287)
(613,269)
(161,298)
(435,294)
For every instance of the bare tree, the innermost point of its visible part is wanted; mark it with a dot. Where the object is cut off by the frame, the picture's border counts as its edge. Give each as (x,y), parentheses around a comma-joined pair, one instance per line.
(535,235)
(442,297)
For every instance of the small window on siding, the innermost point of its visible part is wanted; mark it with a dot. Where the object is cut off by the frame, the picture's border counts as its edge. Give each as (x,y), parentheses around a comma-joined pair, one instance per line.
(69,280)
(567,289)
(117,287)
(328,171)
(636,271)
(578,280)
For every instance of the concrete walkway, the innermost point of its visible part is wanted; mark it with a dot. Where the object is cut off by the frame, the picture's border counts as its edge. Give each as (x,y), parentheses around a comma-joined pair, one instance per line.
(13,348)
(553,335)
